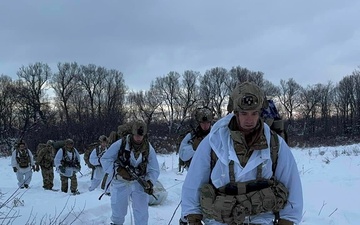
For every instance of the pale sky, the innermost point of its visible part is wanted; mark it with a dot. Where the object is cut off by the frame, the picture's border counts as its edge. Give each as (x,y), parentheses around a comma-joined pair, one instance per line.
(310,41)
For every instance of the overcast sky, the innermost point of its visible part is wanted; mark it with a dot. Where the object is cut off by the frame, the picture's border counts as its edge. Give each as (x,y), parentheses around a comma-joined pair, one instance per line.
(310,41)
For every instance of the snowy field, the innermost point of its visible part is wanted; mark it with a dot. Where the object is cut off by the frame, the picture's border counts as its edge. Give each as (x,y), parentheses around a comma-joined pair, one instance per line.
(330,178)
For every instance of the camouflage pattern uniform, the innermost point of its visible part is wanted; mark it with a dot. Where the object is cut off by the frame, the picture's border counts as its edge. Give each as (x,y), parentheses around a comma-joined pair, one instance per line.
(45,160)
(67,163)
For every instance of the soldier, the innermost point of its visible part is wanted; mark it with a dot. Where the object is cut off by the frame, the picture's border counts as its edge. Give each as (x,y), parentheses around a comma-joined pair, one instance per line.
(23,164)
(131,153)
(242,172)
(67,163)
(45,160)
(94,159)
(203,117)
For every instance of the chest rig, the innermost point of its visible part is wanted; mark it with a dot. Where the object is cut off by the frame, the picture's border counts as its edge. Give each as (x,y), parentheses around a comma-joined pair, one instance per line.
(124,154)
(23,158)
(234,202)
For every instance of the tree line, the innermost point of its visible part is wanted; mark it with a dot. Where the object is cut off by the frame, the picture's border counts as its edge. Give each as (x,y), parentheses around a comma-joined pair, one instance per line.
(83,102)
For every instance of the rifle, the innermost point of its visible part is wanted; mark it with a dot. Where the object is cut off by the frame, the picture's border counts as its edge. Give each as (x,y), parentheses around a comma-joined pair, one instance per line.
(139,179)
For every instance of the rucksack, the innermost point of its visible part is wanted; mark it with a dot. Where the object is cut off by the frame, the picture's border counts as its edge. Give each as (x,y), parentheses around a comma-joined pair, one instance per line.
(272,118)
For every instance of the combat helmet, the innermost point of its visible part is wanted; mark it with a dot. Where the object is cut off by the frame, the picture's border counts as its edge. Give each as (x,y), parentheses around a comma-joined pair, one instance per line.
(138,127)
(203,114)
(69,141)
(103,138)
(247,96)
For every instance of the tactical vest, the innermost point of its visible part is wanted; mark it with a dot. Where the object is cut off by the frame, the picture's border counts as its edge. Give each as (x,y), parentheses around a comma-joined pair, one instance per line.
(232,203)
(124,155)
(23,158)
(73,162)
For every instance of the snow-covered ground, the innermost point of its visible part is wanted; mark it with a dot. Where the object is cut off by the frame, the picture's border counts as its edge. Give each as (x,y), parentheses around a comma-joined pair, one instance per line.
(330,178)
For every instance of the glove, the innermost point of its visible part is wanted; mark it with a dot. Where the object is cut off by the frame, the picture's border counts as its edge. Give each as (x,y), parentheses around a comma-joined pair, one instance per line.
(194,219)
(15,169)
(149,190)
(123,173)
(284,222)
(62,169)
(33,168)
(37,168)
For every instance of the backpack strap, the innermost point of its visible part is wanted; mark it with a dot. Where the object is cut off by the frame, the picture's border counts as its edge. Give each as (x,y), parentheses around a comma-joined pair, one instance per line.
(122,153)
(274,150)
(274,153)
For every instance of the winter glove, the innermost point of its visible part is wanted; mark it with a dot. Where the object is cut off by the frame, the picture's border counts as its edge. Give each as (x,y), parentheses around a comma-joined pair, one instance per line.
(284,222)
(194,219)
(149,190)
(62,169)
(15,169)
(37,168)
(124,173)
(33,168)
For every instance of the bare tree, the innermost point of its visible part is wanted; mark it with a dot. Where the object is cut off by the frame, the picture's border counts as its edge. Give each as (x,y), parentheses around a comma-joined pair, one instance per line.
(344,101)
(326,100)
(115,92)
(6,99)
(188,95)
(65,83)
(168,89)
(289,96)
(214,90)
(91,79)
(144,104)
(310,98)
(34,78)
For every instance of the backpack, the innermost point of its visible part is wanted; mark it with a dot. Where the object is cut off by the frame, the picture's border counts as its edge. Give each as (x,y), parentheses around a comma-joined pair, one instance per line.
(272,118)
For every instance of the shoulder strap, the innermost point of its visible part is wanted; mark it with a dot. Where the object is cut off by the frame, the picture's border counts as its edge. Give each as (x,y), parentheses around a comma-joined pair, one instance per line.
(97,150)
(122,150)
(274,149)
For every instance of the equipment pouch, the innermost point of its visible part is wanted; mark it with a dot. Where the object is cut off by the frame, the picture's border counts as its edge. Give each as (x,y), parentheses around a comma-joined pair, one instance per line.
(207,198)
(223,207)
(244,201)
(281,195)
(268,199)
